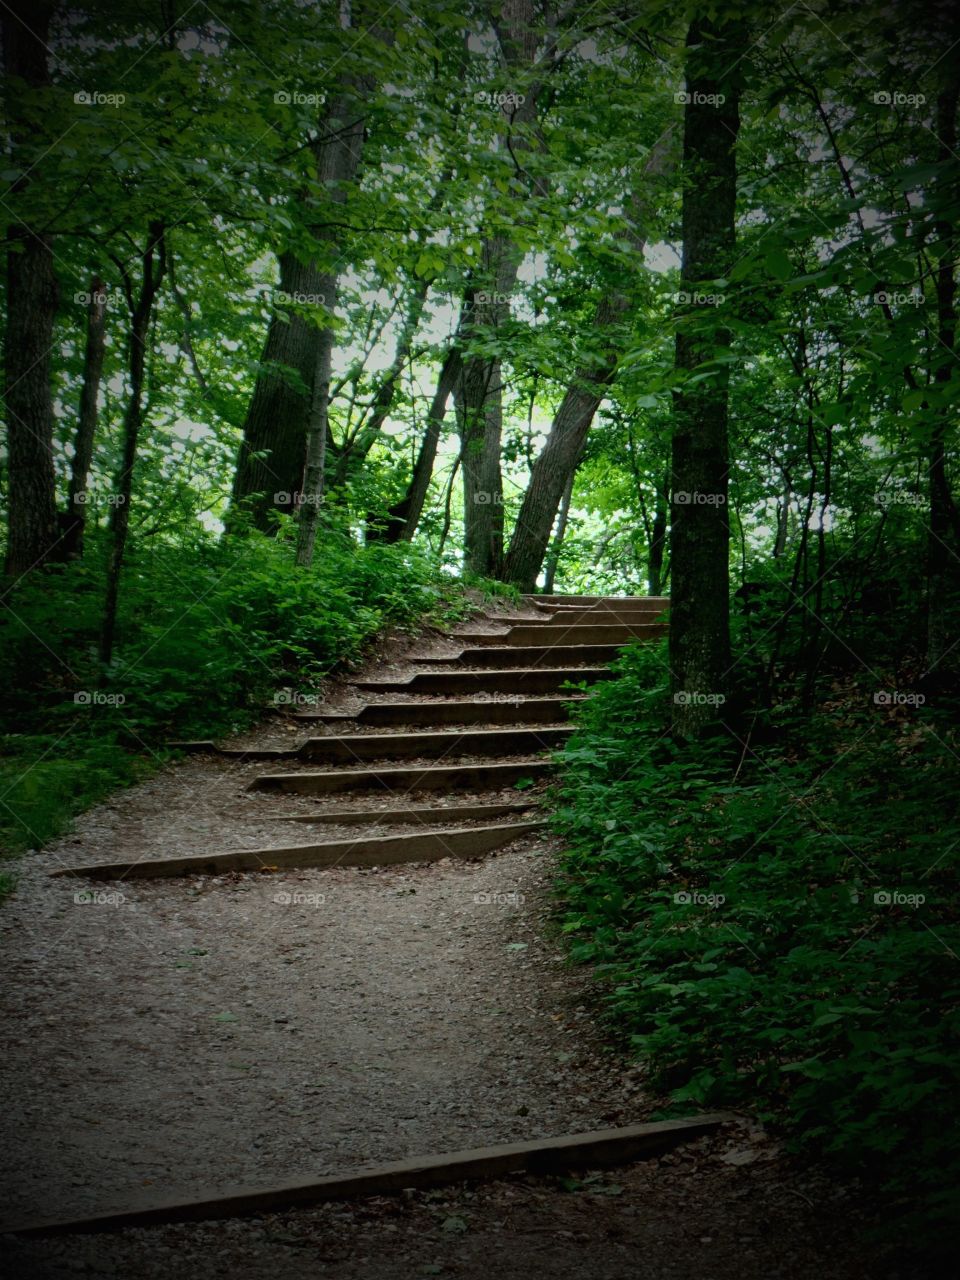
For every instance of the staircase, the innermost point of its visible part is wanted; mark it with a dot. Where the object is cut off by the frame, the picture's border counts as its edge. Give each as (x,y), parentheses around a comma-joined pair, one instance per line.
(460,750)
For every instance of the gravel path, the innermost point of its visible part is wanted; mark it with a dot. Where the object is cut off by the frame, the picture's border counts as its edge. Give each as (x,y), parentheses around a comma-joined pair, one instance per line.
(193,1035)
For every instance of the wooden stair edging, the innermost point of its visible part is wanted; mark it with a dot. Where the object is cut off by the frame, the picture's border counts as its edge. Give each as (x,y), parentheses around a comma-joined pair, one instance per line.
(364,851)
(482,708)
(435,778)
(505,680)
(602,1148)
(526,655)
(410,813)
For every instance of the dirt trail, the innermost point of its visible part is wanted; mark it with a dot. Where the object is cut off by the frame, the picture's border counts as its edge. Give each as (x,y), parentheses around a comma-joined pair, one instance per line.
(196,1034)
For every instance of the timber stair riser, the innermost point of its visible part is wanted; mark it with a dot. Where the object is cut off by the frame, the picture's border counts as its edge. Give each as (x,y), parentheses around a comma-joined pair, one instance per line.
(595,633)
(475,711)
(451,682)
(411,814)
(524,656)
(580,602)
(412,746)
(476,777)
(364,851)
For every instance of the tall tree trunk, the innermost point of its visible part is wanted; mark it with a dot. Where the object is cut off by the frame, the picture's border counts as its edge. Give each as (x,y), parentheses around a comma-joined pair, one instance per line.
(269,471)
(74,522)
(354,451)
(337,163)
(941,559)
(553,557)
(32,298)
(153,268)
(478,400)
(568,432)
(700,534)
(658,539)
(478,395)
(405,514)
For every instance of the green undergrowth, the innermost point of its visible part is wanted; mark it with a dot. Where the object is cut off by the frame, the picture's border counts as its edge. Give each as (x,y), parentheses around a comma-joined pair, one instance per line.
(773,919)
(208,635)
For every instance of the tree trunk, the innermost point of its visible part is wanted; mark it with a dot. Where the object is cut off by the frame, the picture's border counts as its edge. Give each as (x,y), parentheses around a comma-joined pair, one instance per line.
(700,533)
(477,396)
(568,432)
(74,521)
(153,269)
(270,465)
(941,559)
(658,540)
(353,452)
(337,163)
(32,298)
(405,514)
(553,559)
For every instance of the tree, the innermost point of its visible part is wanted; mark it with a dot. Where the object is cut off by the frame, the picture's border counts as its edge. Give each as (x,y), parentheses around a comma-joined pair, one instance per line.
(700,532)
(32,300)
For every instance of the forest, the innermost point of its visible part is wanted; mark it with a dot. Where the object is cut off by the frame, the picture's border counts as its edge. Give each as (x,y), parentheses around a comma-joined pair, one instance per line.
(324,319)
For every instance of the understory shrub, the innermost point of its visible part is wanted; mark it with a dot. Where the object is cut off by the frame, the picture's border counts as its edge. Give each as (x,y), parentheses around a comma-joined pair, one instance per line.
(772,917)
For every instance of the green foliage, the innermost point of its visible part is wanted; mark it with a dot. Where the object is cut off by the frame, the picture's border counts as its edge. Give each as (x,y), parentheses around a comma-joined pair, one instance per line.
(778,979)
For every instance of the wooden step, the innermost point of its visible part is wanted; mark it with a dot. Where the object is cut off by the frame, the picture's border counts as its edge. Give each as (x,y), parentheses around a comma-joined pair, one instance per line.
(477,777)
(527,655)
(364,851)
(483,708)
(601,615)
(353,747)
(409,814)
(454,681)
(617,633)
(579,601)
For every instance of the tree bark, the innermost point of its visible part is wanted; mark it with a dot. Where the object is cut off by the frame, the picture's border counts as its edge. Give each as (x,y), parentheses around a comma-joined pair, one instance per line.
(32,299)
(404,516)
(553,558)
(74,521)
(941,576)
(354,451)
(270,464)
(700,533)
(153,268)
(337,163)
(568,432)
